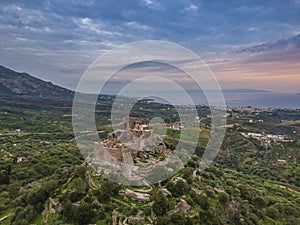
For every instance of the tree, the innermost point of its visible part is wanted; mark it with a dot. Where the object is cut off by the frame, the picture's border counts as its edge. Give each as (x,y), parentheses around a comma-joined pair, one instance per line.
(163,221)
(83,214)
(68,211)
(259,202)
(80,171)
(50,186)
(4,177)
(21,222)
(37,198)
(179,188)
(188,175)
(107,190)
(75,196)
(13,190)
(201,200)
(246,192)
(160,206)
(9,169)
(272,212)
(223,198)
(178,219)
(79,185)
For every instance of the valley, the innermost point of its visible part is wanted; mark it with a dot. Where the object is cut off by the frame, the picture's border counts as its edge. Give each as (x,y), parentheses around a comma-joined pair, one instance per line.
(45,180)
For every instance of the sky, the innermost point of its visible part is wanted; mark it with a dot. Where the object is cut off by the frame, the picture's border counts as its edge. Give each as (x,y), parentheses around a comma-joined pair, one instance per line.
(247,44)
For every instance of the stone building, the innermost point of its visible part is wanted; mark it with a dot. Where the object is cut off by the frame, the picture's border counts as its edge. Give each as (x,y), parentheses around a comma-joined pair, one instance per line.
(128,141)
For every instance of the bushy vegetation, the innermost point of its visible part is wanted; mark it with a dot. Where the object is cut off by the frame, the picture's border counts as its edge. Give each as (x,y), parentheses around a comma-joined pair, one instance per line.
(44,180)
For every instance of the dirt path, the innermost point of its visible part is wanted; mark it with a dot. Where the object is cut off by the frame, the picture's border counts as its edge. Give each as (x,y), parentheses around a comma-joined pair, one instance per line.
(92,184)
(4,218)
(290,189)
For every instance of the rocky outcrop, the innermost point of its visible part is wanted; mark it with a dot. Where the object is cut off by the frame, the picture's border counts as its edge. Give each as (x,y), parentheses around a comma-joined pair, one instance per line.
(116,218)
(51,207)
(176,179)
(137,195)
(138,219)
(234,210)
(181,207)
(165,192)
(197,191)
(217,190)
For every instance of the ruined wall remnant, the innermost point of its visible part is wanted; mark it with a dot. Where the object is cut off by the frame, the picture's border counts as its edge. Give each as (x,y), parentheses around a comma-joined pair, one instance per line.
(131,137)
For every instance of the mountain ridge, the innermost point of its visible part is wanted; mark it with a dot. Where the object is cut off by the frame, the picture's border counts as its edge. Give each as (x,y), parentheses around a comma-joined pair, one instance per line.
(14,83)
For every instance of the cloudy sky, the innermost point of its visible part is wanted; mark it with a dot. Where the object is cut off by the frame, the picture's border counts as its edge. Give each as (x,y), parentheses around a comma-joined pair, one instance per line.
(247,44)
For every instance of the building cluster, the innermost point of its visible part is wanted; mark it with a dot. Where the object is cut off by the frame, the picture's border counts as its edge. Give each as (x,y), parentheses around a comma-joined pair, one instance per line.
(132,144)
(128,141)
(175,126)
(268,138)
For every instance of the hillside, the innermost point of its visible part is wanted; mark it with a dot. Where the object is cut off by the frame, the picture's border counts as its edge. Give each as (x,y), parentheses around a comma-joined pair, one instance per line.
(13,83)
(44,180)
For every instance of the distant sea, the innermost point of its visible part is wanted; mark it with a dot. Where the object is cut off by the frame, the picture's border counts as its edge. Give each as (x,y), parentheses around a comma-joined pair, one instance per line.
(261,99)
(254,99)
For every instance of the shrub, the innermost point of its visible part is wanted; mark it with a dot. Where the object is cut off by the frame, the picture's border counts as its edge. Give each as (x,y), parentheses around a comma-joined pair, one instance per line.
(178,219)
(272,213)
(4,177)
(80,171)
(188,175)
(36,198)
(160,206)
(108,189)
(79,185)
(147,211)
(179,188)
(246,192)
(223,198)
(259,202)
(201,200)
(13,190)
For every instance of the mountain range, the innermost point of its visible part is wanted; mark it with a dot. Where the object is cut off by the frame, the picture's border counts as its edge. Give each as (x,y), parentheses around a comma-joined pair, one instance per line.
(13,83)
(20,84)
